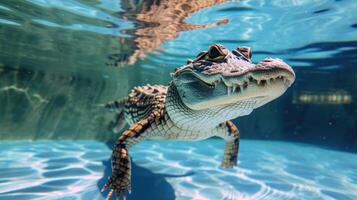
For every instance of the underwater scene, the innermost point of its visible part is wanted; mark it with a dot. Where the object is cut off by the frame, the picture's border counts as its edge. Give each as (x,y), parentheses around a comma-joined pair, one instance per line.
(178,99)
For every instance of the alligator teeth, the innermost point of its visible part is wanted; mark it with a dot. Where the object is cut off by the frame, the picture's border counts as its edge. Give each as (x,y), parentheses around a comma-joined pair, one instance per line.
(268,82)
(234,88)
(286,81)
(229,90)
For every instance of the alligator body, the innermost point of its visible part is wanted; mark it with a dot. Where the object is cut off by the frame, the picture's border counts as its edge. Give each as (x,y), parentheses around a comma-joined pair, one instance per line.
(199,102)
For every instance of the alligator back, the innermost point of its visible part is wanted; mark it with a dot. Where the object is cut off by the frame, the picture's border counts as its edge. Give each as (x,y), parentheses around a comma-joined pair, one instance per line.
(142,100)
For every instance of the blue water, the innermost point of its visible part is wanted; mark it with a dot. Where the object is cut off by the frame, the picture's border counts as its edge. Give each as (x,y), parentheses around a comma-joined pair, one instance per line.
(60,60)
(178,170)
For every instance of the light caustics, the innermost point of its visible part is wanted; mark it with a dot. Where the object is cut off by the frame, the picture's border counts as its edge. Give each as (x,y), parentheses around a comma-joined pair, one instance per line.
(265,171)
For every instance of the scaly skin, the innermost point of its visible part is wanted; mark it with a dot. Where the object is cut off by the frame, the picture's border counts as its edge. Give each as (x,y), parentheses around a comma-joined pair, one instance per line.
(199,103)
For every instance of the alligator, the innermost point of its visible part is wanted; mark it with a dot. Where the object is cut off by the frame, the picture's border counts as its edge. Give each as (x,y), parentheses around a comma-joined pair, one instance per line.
(199,102)
(161,21)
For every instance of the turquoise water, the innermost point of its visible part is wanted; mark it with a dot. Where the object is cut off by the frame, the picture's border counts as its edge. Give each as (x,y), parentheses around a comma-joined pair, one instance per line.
(61,60)
(178,170)
(58,58)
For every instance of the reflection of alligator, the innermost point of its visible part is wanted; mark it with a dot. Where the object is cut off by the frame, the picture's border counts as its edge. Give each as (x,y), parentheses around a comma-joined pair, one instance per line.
(163,20)
(199,103)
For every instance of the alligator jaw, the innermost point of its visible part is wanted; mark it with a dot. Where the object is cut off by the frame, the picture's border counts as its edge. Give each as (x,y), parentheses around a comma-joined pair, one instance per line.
(263,85)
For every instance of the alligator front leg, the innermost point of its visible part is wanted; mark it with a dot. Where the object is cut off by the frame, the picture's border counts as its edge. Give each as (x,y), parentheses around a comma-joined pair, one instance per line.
(120,180)
(232,138)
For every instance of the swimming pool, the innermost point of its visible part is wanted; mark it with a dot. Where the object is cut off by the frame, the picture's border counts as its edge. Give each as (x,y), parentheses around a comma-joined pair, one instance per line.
(61,61)
(178,170)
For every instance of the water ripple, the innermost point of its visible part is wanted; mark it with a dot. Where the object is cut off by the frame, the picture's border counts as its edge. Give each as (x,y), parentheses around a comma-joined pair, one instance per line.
(265,171)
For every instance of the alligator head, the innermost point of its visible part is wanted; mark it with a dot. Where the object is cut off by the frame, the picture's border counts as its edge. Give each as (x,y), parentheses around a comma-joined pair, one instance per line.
(219,77)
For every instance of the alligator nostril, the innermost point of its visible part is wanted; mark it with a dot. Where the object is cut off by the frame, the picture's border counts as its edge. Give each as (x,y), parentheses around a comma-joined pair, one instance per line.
(245,51)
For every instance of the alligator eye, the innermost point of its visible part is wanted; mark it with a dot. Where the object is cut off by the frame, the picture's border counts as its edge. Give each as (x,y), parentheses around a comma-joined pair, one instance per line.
(245,51)
(217,52)
(214,52)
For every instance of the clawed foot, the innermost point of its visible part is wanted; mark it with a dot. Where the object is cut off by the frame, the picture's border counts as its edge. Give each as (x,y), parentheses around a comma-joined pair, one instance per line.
(119,182)
(117,185)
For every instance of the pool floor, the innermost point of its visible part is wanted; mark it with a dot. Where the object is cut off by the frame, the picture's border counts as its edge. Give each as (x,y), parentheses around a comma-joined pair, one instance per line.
(178,170)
